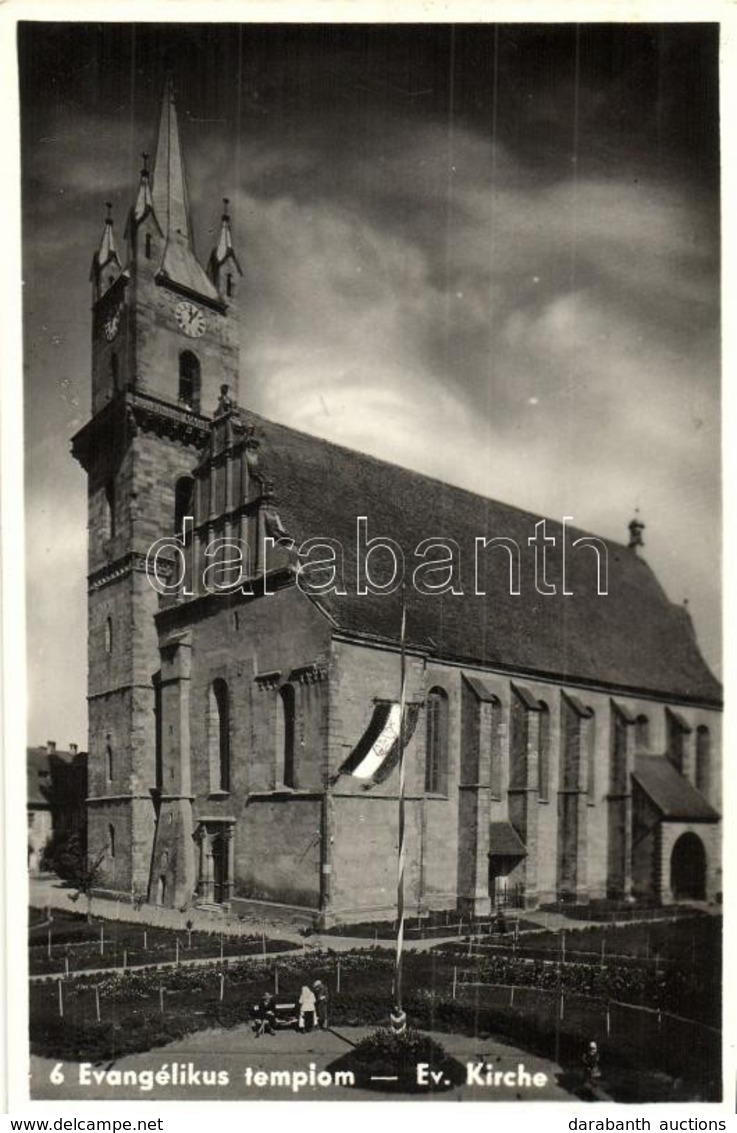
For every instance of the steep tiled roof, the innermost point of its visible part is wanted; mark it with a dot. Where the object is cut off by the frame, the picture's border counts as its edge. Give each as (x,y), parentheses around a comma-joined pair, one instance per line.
(671,793)
(634,638)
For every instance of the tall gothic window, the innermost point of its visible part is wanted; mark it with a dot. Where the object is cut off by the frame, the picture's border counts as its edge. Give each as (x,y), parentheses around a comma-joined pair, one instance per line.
(590,754)
(286,729)
(703,760)
(543,766)
(189,380)
(218,735)
(642,733)
(110,518)
(436,742)
(109,760)
(108,635)
(111,840)
(678,730)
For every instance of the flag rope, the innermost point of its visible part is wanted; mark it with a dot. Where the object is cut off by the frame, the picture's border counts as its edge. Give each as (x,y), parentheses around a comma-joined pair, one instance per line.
(398,1017)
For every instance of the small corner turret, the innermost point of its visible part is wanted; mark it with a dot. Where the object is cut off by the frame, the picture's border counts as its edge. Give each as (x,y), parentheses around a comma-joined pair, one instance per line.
(223,267)
(106,266)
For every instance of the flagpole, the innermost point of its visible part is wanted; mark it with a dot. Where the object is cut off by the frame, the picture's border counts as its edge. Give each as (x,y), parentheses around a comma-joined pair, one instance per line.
(399,1020)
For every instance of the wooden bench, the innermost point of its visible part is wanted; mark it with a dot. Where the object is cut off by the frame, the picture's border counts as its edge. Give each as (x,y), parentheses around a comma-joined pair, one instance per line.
(286,1014)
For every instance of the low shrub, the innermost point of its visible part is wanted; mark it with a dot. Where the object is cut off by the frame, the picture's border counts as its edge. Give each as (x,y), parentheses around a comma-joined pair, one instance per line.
(394,1060)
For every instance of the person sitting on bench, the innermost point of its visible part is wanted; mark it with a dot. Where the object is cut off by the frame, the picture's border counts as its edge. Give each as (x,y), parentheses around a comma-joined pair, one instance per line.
(265,1016)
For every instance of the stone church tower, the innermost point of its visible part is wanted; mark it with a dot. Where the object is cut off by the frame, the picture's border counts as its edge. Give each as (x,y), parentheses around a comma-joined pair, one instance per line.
(164,342)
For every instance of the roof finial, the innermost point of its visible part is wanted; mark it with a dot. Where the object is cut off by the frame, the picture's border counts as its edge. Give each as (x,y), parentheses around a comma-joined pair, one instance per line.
(636,528)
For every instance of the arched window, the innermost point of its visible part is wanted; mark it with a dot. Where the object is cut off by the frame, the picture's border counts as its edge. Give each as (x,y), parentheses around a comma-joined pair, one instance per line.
(286,719)
(703,760)
(543,765)
(183,501)
(109,760)
(108,635)
(148,245)
(111,840)
(642,733)
(189,380)
(436,742)
(229,284)
(218,736)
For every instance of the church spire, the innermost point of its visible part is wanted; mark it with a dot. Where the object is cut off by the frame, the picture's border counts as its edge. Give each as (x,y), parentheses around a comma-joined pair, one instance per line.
(170,207)
(170,192)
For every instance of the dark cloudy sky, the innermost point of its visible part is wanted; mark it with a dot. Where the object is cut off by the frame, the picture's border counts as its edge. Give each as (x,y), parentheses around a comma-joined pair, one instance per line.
(491,254)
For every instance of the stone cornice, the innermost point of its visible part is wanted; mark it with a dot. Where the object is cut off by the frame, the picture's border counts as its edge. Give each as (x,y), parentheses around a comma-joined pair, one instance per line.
(117,569)
(132,410)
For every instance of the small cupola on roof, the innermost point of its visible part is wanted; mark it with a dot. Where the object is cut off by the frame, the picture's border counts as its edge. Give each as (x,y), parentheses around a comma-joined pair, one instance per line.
(106,266)
(223,267)
(169,204)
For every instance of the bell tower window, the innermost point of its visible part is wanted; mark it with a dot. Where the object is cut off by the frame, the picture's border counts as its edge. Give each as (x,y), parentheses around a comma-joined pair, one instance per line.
(183,502)
(109,507)
(114,371)
(189,380)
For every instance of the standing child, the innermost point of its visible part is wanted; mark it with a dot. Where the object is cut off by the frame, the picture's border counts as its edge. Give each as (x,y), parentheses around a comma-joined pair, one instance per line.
(306,1009)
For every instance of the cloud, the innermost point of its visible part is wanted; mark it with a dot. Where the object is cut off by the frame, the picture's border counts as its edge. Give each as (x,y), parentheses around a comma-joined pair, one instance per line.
(497,317)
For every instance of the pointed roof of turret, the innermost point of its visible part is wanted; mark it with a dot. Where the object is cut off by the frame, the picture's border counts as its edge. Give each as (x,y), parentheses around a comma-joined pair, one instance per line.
(224,249)
(107,251)
(170,206)
(144,201)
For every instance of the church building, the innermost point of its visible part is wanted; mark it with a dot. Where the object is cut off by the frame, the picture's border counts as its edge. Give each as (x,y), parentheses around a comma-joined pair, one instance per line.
(560,728)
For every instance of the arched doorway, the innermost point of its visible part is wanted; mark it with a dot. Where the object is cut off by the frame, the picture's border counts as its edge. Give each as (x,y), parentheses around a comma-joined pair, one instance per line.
(688,869)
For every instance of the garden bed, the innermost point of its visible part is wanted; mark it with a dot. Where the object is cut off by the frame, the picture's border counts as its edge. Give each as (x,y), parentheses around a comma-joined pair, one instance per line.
(73,941)
(435,924)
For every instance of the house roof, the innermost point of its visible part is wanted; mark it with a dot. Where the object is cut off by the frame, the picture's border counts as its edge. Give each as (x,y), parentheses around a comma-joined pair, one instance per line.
(54,776)
(670,792)
(632,638)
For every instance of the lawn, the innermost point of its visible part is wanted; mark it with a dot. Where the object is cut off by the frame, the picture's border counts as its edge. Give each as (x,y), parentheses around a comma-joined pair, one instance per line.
(105,1017)
(72,942)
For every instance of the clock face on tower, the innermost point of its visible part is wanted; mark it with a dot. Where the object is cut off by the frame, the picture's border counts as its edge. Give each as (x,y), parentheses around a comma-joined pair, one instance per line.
(190,319)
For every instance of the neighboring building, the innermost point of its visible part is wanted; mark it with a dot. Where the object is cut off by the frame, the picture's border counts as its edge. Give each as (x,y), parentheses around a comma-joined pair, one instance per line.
(564,743)
(56,797)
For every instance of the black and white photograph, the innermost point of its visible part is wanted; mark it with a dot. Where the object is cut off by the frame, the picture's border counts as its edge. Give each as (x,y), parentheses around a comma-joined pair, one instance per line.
(373,499)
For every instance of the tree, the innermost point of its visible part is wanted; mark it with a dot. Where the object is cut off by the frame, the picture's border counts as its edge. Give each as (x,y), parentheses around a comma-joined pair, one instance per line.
(87,875)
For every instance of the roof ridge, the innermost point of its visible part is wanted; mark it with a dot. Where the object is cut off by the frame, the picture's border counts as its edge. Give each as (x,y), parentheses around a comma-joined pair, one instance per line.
(425,476)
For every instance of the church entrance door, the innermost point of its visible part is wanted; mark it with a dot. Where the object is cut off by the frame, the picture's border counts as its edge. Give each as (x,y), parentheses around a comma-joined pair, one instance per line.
(219,869)
(688,869)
